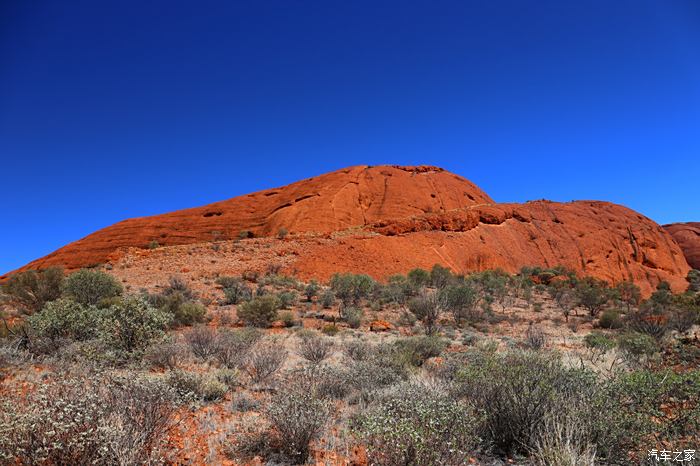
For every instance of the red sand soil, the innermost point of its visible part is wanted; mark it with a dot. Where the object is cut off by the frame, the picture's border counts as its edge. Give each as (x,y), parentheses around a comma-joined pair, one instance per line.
(388,219)
(687,235)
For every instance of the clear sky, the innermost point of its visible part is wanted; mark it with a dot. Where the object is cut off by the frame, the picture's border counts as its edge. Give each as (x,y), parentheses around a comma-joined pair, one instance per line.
(116,109)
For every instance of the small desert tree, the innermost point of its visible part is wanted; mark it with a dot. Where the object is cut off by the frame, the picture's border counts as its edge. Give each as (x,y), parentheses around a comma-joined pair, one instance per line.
(629,294)
(427,307)
(593,295)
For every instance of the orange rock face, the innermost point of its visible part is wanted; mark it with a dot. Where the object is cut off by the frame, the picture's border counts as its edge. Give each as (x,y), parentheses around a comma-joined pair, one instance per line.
(687,235)
(398,218)
(599,239)
(335,201)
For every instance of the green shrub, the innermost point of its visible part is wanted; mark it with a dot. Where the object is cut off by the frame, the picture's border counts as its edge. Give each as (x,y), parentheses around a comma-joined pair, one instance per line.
(30,290)
(74,420)
(311,290)
(260,311)
(235,290)
(598,342)
(637,347)
(416,350)
(287,299)
(64,318)
(327,299)
(440,276)
(180,305)
(189,313)
(89,287)
(330,329)
(515,391)
(462,301)
(287,318)
(610,319)
(418,278)
(353,316)
(212,389)
(132,325)
(419,425)
(427,308)
(592,294)
(351,288)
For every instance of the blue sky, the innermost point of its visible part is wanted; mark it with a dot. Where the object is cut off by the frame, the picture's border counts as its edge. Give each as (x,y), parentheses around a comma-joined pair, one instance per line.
(110,110)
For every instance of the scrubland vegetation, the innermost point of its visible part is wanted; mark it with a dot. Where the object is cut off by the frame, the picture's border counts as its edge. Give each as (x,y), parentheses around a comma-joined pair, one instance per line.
(429,368)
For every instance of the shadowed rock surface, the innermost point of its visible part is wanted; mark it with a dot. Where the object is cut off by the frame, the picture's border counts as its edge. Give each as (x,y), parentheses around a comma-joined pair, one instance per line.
(687,235)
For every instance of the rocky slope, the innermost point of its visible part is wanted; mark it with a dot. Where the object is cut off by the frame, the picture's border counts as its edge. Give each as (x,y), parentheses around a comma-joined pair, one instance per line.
(387,219)
(687,235)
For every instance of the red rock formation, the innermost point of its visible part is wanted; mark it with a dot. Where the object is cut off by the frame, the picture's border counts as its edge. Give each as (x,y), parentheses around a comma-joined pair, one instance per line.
(599,239)
(405,217)
(335,201)
(687,235)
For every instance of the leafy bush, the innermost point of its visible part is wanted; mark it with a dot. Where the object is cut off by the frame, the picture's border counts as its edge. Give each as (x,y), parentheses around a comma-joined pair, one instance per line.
(311,290)
(330,329)
(598,344)
(212,389)
(520,391)
(89,287)
(440,276)
(418,278)
(427,308)
(315,348)
(189,313)
(132,325)
(296,418)
(287,299)
(416,350)
(327,299)
(235,290)
(191,385)
(64,318)
(416,424)
(351,288)
(381,368)
(592,294)
(260,311)
(179,301)
(72,420)
(462,301)
(515,391)
(637,347)
(353,316)
(187,385)
(125,326)
(610,319)
(30,290)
